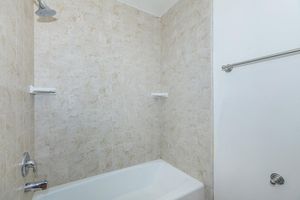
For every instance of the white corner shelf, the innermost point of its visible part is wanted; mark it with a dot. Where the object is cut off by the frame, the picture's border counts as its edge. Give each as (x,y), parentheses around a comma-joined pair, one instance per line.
(40,90)
(160,94)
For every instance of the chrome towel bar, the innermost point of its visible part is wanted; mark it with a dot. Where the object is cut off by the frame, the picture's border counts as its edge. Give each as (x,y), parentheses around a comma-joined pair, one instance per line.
(229,67)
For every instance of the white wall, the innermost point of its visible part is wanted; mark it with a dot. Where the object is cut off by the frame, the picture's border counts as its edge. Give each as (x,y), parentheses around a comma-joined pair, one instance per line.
(257,107)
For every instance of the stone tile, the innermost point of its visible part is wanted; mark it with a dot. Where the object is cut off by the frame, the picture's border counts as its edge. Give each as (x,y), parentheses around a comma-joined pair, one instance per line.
(187,132)
(16,118)
(104,71)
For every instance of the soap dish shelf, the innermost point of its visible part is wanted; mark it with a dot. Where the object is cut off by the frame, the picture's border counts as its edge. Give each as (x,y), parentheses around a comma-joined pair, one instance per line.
(40,90)
(160,95)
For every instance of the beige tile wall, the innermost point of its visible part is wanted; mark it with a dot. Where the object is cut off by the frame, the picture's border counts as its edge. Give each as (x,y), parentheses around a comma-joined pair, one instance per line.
(186,68)
(103,117)
(104,59)
(16,105)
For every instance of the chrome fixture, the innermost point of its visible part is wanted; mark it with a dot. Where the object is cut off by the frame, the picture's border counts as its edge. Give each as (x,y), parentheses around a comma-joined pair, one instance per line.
(229,67)
(35,186)
(40,90)
(160,94)
(276,179)
(44,10)
(26,164)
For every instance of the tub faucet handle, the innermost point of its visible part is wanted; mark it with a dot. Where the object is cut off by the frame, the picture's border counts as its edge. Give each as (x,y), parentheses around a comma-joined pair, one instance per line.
(27,164)
(32,164)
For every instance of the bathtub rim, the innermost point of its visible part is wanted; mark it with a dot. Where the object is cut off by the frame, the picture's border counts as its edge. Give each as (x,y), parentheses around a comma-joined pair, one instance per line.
(79,182)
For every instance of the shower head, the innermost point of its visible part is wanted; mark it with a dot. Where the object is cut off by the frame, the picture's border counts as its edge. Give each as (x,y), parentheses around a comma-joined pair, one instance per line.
(44,10)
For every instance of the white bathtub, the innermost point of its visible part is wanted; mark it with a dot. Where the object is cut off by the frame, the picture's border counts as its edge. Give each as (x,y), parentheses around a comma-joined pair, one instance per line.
(155,180)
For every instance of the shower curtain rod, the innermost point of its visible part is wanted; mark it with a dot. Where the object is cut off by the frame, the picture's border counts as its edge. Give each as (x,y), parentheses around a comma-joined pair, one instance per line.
(229,67)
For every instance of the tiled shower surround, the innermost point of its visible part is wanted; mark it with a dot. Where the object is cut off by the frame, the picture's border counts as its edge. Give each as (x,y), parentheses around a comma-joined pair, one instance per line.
(105,59)
(16,105)
(186,74)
